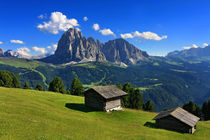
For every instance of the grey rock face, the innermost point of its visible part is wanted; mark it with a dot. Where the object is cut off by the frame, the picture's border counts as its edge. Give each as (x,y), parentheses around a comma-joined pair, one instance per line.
(119,50)
(73,47)
(1,52)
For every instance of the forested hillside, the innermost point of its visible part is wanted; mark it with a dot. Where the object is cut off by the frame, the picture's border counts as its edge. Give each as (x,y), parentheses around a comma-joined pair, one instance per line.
(168,83)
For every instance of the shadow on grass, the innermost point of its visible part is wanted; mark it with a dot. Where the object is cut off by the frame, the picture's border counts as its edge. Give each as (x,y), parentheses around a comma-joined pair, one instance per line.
(79,107)
(150,125)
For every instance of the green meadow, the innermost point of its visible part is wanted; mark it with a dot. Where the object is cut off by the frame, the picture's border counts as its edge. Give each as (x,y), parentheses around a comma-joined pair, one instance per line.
(30,114)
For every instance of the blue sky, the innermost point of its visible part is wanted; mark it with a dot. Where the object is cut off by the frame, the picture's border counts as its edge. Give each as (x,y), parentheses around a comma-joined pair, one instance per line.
(155,26)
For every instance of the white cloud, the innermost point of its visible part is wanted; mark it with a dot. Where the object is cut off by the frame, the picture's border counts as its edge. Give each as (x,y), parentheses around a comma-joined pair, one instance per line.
(127,35)
(85,18)
(16,41)
(143,35)
(96,27)
(41,50)
(24,51)
(54,46)
(149,35)
(189,47)
(205,45)
(106,32)
(1,42)
(58,22)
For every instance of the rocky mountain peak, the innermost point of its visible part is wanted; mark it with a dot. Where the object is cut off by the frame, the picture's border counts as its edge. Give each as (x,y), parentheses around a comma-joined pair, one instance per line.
(74,48)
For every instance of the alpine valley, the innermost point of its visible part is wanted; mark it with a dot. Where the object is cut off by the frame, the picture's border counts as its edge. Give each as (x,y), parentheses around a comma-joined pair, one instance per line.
(168,81)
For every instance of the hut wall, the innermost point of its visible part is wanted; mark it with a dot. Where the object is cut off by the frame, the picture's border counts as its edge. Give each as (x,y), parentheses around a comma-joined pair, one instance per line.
(111,104)
(172,123)
(94,100)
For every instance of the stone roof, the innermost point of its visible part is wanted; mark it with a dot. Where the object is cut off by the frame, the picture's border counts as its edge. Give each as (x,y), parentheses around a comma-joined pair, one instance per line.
(180,114)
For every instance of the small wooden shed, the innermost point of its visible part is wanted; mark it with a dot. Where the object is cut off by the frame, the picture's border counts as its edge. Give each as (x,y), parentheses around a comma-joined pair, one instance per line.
(177,120)
(105,98)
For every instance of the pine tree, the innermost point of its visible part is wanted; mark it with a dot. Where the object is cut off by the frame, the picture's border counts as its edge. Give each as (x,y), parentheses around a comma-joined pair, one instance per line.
(8,79)
(39,87)
(192,108)
(57,85)
(206,110)
(26,85)
(77,87)
(149,106)
(126,99)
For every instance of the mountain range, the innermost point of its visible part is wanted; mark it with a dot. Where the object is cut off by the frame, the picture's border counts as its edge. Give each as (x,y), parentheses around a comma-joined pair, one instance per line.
(192,53)
(74,48)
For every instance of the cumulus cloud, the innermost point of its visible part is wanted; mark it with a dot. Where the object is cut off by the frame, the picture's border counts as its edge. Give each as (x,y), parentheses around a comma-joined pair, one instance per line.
(205,45)
(24,51)
(58,22)
(106,32)
(149,35)
(143,35)
(1,42)
(189,47)
(127,35)
(96,27)
(85,18)
(41,50)
(16,41)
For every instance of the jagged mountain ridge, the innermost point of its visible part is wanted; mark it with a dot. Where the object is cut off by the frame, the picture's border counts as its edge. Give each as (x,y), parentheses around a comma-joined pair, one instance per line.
(192,53)
(74,48)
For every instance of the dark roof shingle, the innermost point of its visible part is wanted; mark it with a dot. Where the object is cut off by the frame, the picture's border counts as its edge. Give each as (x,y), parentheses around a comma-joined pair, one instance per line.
(180,114)
(109,92)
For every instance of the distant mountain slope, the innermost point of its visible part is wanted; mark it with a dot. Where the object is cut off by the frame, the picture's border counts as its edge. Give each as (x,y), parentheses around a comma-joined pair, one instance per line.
(192,53)
(30,114)
(74,48)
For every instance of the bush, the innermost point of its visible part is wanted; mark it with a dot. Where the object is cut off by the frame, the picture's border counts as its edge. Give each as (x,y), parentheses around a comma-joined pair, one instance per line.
(39,87)
(26,86)
(57,85)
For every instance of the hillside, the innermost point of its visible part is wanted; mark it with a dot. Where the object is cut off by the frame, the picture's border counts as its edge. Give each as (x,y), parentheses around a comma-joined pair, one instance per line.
(166,82)
(29,114)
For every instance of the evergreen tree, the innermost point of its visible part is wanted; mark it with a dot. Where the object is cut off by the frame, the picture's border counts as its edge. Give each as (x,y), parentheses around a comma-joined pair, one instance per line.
(16,81)
(192,108)
(26,85)
(57,85)
(119,86)
(125,100)
(77,87)
(8,79)
(39,87)
(135,99)
(149,106)
(206,110)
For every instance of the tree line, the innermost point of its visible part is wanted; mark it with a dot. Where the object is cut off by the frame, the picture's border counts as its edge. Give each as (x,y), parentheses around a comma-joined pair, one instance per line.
(195,109)
(10,80)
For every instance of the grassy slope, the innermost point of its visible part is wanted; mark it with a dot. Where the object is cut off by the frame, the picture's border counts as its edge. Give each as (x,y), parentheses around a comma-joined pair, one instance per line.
(29,114)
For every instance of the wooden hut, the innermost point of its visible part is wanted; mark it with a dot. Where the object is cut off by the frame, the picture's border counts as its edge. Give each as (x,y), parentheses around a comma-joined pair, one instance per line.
(105,98)
(177,120)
